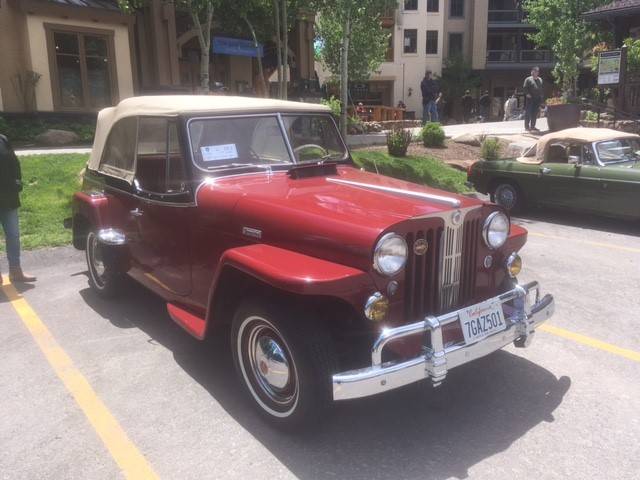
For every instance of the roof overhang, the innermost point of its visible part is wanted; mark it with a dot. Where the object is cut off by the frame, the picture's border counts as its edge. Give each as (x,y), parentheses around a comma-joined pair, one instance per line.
(102,15)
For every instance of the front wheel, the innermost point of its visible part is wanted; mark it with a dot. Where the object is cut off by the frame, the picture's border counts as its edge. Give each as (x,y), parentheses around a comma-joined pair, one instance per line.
(285,360)
(507,196)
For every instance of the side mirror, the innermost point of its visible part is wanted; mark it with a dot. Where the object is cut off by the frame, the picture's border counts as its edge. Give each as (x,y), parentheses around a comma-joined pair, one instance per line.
(574,160)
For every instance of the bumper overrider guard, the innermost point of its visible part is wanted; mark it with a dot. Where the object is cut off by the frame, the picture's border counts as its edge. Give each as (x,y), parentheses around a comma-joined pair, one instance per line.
(524,311)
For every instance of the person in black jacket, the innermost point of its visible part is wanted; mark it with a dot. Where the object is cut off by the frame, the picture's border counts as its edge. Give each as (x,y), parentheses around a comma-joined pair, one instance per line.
(10,188)
(430,91)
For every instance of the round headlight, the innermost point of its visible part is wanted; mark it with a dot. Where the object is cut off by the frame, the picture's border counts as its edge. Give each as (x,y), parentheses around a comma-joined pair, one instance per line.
(496,230)
(390,254)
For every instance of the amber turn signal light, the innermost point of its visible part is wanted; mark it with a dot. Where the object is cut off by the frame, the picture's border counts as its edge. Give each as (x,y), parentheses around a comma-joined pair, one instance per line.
(514,264)
(376,307)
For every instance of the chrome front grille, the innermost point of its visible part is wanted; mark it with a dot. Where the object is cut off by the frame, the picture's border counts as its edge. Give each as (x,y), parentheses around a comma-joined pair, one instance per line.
(450,266)
(444,277)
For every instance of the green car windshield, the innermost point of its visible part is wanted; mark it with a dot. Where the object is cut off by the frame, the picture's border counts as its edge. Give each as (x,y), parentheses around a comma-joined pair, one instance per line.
(618,151)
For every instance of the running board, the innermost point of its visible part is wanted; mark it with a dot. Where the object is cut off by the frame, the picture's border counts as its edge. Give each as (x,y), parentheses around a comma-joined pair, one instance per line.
(194,325)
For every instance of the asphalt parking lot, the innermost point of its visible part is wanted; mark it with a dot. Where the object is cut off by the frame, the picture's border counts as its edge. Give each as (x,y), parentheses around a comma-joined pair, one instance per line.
(95,390)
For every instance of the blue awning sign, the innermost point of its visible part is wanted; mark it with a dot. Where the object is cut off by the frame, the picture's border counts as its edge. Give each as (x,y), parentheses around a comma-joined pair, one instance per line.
(236,46)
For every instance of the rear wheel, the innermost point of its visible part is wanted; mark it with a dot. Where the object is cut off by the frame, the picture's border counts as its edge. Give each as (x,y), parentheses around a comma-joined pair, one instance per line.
(104,277)
(508,196)
(285,361)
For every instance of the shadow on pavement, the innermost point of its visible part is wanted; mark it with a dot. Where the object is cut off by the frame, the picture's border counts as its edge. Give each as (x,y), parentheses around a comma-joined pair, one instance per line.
(20,288)
(580,220)
(410,433)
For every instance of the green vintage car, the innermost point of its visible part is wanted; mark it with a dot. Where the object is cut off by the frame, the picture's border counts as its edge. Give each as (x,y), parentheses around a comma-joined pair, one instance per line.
(593,170)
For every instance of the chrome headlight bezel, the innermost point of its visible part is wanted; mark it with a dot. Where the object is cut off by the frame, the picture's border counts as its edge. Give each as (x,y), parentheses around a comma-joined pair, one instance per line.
(486,230)
(380,264)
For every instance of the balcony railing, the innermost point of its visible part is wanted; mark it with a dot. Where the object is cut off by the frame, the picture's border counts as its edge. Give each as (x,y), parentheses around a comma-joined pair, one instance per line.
(522,56)
(506,16)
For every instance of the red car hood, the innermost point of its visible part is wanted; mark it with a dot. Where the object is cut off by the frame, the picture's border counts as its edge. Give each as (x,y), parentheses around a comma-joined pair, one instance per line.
(317,215)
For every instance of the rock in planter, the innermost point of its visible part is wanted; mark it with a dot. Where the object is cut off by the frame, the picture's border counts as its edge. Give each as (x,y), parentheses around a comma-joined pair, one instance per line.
(468,139)
(55,138)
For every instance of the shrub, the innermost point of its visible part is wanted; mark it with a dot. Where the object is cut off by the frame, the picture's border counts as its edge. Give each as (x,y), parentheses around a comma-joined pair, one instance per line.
(490,149)
(591,116)
(432,135)
(398,141)
(355,126)
(334,104)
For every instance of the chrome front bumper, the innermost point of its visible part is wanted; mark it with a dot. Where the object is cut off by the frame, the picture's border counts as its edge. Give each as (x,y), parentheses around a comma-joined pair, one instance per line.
(524,312)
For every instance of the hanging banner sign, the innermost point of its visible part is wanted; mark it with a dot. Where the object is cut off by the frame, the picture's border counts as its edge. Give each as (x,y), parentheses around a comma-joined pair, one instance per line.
(236,46)
(609,64)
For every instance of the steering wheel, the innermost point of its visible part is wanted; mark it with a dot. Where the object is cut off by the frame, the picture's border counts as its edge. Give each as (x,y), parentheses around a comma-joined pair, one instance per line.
(311,145)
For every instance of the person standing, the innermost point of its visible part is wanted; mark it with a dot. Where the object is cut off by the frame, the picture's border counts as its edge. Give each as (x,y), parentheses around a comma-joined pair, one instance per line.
(510,107)
(440,106)
(534,95)
(10,188)
(485,105)
(467,106)
(430,91)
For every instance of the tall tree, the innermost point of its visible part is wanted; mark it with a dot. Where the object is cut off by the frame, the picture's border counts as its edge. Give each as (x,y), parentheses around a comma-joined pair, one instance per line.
(353,41)
(201,12)
(561,28)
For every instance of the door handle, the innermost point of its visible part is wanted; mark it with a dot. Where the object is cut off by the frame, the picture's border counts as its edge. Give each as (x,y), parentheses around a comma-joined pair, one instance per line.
(136,212)
(545,170)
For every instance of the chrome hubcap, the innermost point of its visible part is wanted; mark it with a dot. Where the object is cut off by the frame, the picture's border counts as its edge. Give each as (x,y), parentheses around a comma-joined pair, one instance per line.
(271,362)
(506,197)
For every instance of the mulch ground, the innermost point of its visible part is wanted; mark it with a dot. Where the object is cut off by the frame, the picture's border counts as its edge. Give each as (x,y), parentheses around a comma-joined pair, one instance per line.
(455,154)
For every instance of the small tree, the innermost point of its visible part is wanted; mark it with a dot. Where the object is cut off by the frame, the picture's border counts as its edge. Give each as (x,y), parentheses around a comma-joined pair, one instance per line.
(562,29)
(353,41)
(201,12)
(457,77)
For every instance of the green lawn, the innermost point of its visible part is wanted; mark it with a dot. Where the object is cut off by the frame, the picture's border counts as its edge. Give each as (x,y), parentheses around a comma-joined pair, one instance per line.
(423,170)
(49,183)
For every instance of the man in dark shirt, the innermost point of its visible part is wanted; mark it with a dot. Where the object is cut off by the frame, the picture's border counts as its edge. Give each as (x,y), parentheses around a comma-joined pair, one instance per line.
(430,91)
(534,96)
(10,188)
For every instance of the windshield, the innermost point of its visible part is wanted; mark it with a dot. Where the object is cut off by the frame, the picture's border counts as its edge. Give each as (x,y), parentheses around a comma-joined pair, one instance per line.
(616,151)
(219,143)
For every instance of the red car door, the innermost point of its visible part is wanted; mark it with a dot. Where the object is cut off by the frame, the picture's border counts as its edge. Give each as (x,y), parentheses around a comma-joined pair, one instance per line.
(163,205)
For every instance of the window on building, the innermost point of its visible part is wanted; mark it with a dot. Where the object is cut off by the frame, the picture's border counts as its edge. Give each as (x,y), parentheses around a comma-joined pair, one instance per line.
(457,8)
(82,68)
(118,156)
(411,4)
(433,5)
(455,44)
(432,42)
(389,53)
(411,40)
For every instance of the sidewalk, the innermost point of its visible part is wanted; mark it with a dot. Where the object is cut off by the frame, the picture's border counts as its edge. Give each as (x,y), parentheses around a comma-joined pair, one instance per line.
(51,151)
(514,127)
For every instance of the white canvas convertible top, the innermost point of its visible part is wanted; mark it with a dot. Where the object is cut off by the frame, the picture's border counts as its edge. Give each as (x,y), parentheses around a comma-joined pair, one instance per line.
(578,134)
(173,105)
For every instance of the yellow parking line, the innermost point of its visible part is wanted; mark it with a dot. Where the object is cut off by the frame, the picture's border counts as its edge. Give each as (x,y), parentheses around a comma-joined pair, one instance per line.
(591,342)
(124,452)
(587,242)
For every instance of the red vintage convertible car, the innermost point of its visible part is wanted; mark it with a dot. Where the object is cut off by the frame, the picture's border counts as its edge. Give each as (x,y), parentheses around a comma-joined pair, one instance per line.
(332,283)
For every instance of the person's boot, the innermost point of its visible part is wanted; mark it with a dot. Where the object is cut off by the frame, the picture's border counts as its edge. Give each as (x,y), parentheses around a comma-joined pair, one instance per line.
(17,275)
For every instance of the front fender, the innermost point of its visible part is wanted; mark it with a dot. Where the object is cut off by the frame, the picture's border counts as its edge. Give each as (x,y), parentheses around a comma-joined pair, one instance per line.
(296,273)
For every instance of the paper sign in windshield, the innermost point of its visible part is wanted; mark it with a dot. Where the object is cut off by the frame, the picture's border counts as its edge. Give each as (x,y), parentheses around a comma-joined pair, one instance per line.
(212,153)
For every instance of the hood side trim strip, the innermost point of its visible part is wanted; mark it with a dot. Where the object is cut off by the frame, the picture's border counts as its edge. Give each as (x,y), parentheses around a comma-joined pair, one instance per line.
(452,202)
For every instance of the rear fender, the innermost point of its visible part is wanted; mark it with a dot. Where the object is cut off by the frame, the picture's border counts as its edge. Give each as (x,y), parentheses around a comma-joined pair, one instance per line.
(89,212)
(293,273)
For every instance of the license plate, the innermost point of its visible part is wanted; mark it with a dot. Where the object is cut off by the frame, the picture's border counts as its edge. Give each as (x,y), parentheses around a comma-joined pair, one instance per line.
(481,320)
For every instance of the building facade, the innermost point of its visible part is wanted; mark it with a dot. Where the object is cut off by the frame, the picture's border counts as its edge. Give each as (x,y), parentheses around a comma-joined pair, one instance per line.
(78,56)
(491,35)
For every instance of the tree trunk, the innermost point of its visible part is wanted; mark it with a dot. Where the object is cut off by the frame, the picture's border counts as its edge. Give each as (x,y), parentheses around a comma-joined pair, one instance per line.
(263,84)
(204,70)
(344,75)
(285,48)
(276,8)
